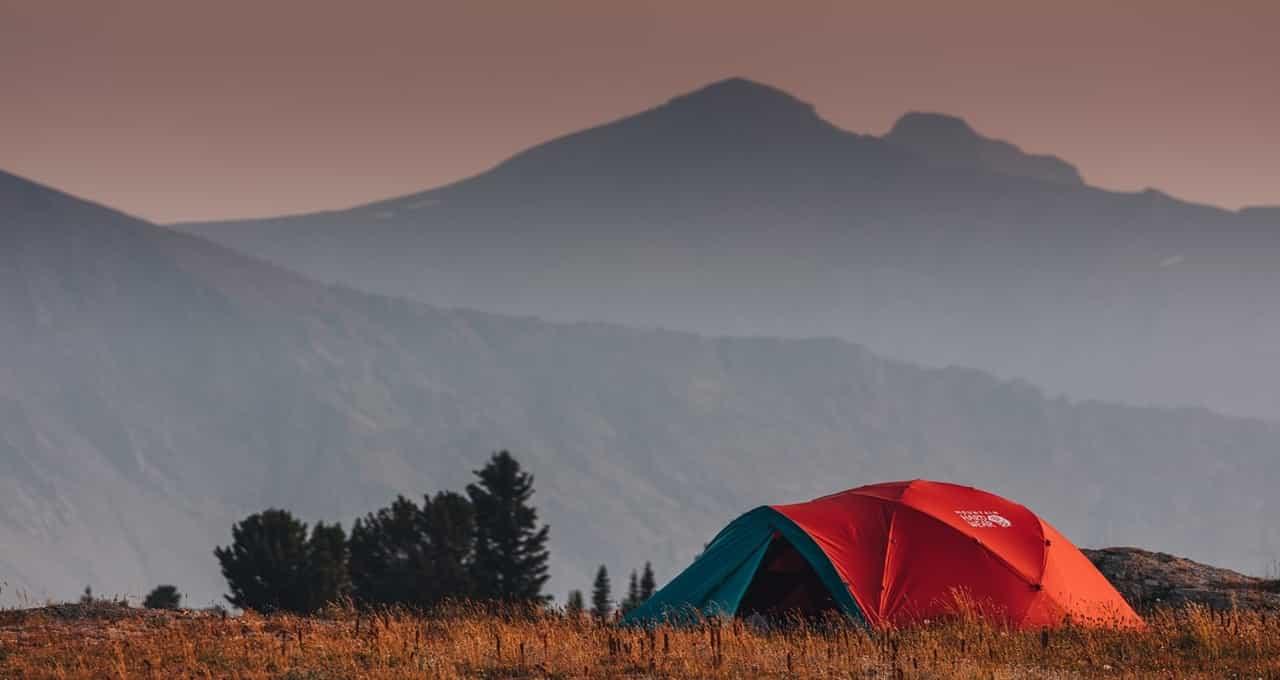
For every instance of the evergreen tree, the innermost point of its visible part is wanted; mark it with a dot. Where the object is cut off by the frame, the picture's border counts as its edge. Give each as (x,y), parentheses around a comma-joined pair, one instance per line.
(601,602)
(574,606)
(265,563)
(510,563)
(414,556)
(633,594)
(648,586)
(449,523)
(327,574)
(388,554)
(163,597)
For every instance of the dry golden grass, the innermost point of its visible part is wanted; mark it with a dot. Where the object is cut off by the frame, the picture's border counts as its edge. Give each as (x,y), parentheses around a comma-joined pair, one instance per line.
(468,643)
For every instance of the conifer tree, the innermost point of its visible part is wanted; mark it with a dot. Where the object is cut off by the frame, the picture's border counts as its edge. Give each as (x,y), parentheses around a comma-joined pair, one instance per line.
(648,586)
(388,555)
(449,523)
(633,595)
(265,563)
(601,598)
(327,573)
(510,563)
(414,556)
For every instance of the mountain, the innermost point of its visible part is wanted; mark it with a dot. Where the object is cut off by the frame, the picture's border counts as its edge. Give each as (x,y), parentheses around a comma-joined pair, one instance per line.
(155,388)
(737,209)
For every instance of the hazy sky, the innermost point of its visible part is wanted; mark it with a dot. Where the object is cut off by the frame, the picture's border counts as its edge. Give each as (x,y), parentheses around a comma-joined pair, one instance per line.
(190,110)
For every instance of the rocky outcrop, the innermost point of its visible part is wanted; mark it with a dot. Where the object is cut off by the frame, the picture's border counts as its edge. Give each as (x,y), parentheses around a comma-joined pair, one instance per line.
(1152,579)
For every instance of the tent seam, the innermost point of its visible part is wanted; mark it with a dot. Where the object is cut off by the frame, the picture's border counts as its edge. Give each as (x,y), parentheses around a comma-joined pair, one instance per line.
(888,550)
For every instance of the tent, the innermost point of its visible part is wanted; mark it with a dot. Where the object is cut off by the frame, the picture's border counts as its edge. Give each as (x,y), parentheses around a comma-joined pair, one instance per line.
(891,555)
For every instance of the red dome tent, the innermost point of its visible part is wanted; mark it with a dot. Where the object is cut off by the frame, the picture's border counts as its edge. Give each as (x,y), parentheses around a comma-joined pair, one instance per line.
(894,554)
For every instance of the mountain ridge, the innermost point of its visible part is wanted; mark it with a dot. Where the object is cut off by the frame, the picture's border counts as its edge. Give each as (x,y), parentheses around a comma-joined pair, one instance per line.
(156,388)
(734,95)
(932,243)
(946,139)
(739,105)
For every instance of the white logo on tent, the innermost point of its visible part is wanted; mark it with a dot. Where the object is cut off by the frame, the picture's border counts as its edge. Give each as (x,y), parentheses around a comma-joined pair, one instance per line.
(984,519)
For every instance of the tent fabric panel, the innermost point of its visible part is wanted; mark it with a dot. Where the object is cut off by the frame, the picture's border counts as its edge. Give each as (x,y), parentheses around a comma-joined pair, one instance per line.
(715,582)
(723,600)
(1073,587)
(931,565)
(1009,530)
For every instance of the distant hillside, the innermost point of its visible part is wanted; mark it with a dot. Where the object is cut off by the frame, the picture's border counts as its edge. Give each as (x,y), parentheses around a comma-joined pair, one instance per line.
(737,209)
(155,387)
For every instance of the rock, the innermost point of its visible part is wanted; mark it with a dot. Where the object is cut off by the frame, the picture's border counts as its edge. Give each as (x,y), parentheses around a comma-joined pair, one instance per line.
(1150,579)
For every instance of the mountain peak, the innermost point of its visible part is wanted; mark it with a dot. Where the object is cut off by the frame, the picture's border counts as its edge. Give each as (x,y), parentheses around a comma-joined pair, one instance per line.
(723,131)
(933,128)
(949,141)
(741,97)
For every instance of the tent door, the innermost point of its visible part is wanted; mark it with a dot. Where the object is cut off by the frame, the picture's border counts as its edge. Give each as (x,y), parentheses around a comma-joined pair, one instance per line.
(786,585)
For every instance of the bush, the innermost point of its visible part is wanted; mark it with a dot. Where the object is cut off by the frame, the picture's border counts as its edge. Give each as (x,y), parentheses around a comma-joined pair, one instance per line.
(163,597)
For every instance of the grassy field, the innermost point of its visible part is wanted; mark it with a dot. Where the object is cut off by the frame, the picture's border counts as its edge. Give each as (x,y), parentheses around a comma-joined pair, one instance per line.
(114,642)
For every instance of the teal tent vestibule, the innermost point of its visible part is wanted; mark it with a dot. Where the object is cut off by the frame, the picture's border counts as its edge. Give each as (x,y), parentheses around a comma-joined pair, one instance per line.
(732,576)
